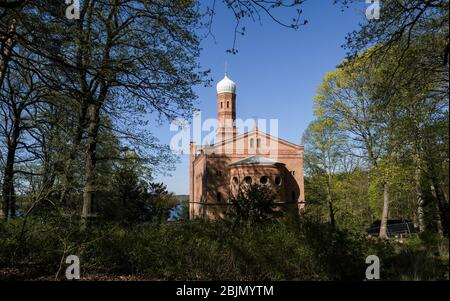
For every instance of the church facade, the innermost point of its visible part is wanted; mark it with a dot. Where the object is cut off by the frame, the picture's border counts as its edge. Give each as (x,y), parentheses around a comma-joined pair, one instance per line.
(218,171)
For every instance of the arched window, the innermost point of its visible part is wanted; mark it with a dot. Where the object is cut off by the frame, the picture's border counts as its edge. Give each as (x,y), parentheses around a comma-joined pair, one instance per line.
(228,104)
(248,180)
(258,142)
(251,143)
(221,105)
(278,181)
(235,181)
(264,180)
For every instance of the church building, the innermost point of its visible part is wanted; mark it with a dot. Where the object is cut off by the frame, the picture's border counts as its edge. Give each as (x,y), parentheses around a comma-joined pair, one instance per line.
(219,170)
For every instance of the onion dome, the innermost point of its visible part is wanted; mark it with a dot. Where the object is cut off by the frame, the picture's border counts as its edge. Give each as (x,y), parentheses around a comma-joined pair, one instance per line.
(226,85)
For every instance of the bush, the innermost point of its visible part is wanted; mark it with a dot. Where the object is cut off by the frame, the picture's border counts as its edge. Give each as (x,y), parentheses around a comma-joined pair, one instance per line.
(210,250)
(255,203)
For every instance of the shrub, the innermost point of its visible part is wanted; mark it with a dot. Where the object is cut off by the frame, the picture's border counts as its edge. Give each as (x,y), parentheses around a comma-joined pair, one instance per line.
(210,250)
(255,203)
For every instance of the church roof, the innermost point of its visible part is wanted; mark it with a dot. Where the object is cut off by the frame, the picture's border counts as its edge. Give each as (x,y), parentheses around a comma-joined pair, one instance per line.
(255,160)
(260,133)
(226,85)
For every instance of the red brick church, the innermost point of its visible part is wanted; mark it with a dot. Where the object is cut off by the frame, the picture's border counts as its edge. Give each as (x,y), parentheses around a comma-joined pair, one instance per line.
(235,160)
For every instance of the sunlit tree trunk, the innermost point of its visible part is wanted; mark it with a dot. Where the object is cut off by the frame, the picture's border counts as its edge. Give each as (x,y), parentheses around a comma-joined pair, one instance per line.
(385,213)
(419,194)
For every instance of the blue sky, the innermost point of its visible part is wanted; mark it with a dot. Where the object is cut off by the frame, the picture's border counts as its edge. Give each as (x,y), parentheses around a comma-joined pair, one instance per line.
(276,70)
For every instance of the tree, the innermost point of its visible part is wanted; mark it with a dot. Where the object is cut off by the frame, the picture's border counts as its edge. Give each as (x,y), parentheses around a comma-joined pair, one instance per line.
(401,23)
(128,57)
(388,120)
(160,201)
(325,145)
(254,203)
(123,199)
(417,31)
(345,98)
(19,100)
(255,10)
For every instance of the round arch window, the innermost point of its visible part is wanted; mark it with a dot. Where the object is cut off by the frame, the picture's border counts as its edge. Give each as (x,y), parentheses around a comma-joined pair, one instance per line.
(278,181)
(235,181)
(264,180)
(248,180)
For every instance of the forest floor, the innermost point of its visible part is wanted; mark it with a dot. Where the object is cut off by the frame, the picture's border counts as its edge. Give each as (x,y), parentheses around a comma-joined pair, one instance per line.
(14,274)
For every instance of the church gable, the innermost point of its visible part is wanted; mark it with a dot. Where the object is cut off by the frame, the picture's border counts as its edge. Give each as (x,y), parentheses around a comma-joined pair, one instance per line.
(256,142)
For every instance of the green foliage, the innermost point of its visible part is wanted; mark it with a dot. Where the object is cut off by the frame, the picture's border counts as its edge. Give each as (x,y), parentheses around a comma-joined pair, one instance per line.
(396,121)
(130,197)
(202,250)
(352,208)
(422,257)
(350,203)
(254,203)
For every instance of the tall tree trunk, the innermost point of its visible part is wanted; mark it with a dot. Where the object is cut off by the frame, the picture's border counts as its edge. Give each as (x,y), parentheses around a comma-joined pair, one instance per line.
(330,204)
(332,218)
(384,215)
(441,204)
(419,195)
(84,97)
(9,196)
(8,187)
(67,178)
(89,187)
(49,177)
(6,50)
(420,213)
(439,196)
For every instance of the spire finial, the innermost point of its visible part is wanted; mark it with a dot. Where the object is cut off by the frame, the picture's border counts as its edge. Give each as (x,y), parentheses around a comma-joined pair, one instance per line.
(255,122)
(226,68)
